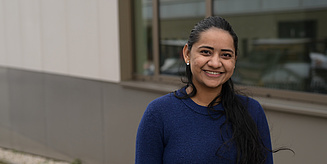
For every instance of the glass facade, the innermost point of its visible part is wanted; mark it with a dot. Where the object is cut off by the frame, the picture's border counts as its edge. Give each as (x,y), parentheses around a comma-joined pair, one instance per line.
(143,37)
(282,44)
(176,19)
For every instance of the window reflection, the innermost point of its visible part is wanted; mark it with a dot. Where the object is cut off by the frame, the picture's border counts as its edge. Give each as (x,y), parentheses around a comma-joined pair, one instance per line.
(177,17)
(143,37)
(281,45)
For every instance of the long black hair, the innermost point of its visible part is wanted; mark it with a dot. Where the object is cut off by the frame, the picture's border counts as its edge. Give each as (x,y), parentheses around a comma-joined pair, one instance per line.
(246,137)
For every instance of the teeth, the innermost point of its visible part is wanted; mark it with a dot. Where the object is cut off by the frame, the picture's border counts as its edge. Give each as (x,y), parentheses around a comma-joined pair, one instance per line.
(214,73)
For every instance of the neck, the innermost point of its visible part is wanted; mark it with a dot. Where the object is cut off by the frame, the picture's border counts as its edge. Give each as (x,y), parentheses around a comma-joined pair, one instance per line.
(203,96)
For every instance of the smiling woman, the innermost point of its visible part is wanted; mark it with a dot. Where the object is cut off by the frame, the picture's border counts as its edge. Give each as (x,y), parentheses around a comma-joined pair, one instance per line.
(212,60)
(206,121)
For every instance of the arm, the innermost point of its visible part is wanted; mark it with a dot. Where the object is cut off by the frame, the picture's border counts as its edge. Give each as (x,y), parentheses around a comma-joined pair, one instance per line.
(149,140)
(264,131)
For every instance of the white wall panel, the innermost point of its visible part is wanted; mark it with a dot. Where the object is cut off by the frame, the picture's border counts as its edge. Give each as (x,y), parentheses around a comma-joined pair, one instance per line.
(54,36)
(2,35)
(31,34)
(71,37)
(109,40)
(13,33)
(83,39)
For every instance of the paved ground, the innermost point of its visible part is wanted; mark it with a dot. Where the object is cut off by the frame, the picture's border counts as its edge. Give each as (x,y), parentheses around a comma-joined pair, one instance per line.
(12,157)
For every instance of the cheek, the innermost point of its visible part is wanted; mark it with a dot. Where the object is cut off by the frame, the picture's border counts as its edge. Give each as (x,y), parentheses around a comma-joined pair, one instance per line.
(198,62)
(194,64)
(230,66)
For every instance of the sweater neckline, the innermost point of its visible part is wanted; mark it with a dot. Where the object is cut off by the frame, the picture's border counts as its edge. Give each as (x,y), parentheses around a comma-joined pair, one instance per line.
(196,107)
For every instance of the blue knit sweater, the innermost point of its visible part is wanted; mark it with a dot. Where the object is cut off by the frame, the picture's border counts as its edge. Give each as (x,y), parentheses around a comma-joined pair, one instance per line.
(176,131)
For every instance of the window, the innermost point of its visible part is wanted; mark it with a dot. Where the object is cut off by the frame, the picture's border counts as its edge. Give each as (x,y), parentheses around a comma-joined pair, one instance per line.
(173,27)
(143,37)
(282,44)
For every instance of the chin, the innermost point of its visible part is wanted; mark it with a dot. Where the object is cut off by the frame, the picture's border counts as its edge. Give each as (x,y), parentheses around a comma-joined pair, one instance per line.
(213,86)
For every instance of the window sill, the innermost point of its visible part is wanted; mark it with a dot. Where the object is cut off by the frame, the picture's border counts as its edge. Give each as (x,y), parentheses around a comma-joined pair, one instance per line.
(268,103)
(151,86)
(295,107)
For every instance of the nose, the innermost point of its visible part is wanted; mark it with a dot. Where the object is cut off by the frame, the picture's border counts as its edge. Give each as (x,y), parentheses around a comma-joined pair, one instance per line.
(215,61)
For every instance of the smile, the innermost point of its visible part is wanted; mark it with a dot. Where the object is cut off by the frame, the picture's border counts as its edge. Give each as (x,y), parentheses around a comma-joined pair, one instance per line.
(213,73)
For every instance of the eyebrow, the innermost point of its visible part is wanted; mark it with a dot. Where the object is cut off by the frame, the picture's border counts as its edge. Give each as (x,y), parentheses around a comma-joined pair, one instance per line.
(228,50)
(211,48)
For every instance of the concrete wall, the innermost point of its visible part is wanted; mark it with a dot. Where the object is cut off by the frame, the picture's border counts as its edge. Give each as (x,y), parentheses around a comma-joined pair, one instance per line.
(67,118)
(306,135)
(69,37)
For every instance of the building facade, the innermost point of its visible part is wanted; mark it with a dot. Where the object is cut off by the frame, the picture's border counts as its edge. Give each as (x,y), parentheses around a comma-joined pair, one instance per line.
(77,75)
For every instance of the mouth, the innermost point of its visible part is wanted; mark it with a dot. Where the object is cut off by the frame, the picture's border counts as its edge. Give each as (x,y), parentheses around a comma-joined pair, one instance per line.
(213,72)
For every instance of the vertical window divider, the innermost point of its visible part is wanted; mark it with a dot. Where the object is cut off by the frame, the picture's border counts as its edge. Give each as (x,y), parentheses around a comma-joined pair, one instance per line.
(155,37)
(209,8)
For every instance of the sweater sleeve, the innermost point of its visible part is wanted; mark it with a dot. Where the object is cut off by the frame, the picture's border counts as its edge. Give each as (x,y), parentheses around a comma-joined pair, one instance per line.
(149,139)
(263,128)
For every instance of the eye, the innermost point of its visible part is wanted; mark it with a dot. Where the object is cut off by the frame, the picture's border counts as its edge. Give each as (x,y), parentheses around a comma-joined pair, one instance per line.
(205,52)
(226,55)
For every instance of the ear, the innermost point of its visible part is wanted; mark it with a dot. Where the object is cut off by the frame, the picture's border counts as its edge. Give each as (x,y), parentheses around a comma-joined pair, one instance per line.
(186,53)
(235,62)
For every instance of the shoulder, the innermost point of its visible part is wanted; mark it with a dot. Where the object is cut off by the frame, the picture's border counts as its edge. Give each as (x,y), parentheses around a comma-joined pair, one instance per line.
(162,101)
(158,111)
(249,102)
(152,115)
(161,104)
(253,106)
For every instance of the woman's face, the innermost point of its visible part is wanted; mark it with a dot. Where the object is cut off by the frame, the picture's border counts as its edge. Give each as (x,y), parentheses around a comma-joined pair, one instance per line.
(212,59)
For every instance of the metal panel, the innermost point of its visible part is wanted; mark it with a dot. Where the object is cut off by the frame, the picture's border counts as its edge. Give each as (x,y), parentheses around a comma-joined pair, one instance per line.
(27,110)
(5,124)
(74,117)
(123,109)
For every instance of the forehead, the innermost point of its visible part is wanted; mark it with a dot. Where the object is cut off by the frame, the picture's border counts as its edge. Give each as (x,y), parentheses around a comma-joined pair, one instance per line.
(216,37)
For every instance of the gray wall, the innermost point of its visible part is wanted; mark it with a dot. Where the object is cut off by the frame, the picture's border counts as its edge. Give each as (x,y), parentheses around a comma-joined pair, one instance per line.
(67,118)
(306,135)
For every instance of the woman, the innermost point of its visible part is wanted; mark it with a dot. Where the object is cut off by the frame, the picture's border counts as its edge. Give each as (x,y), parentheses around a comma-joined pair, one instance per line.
(205,121)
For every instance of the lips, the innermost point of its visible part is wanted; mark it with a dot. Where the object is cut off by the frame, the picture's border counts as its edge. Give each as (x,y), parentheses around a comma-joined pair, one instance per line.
(212,72)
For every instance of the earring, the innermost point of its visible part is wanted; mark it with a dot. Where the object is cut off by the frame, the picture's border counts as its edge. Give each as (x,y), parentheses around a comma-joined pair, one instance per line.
(188,63)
